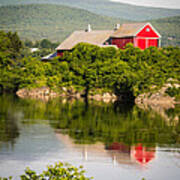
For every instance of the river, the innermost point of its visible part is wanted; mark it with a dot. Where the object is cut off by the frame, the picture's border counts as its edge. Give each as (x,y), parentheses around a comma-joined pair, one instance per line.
(112,141)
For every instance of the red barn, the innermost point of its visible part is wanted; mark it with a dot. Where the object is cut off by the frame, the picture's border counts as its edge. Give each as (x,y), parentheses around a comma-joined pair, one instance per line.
(142,35)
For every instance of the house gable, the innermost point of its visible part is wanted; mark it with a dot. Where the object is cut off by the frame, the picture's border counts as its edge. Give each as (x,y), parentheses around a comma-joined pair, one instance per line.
(148,32)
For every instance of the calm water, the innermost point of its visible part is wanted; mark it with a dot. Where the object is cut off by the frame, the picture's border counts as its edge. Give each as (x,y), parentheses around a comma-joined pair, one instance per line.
(111,141)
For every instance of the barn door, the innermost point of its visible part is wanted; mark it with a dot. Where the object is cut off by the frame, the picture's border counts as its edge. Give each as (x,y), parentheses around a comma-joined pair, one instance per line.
(142,43)
(153,42)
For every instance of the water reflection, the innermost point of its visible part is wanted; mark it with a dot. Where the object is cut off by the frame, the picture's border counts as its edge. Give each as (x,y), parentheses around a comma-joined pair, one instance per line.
(8,123)
(170,113)
(125,134)
(112,123)
(120,153)
(89,123)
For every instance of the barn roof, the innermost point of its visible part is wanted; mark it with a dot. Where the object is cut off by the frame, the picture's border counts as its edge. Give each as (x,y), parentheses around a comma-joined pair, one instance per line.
(127,30)
(100,37)
(92,37)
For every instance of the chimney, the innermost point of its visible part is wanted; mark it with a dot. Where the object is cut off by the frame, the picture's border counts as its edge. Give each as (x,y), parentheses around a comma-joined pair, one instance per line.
(117,26)
(89,28)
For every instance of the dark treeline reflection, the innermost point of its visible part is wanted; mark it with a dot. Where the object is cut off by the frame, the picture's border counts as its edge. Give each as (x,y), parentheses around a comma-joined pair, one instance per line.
(91,122)
(8,121)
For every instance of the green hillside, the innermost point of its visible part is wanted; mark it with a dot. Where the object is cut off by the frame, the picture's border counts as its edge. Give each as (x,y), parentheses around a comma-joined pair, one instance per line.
(107,8)
(169,29)
(56,22)
(50,21)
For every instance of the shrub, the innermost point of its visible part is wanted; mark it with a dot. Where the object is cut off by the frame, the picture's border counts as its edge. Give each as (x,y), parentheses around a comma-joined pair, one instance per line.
(174,92)
(63,171)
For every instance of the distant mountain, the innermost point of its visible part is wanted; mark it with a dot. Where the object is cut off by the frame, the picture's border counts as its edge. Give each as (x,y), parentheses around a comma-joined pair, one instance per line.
(53,22)
(107,8)
(56,22)
(169,29)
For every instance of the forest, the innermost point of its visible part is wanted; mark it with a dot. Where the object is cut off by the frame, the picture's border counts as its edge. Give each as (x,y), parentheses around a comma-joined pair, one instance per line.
(88,68)
(53,22)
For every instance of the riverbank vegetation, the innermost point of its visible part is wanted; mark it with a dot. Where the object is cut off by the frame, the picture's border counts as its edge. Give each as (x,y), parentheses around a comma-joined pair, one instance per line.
(63,171)
(88,68)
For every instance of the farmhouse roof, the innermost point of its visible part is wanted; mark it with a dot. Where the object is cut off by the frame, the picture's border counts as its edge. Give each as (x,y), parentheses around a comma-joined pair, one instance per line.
(92,37)
(100,37)
(127,30)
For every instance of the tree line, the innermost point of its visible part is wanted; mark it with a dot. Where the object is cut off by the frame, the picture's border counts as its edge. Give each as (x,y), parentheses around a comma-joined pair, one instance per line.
(88,68)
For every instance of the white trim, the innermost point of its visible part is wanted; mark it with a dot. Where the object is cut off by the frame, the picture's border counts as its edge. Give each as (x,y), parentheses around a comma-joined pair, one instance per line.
(150,26)
(159,43)
(140,29)
(139,37)
(154,30)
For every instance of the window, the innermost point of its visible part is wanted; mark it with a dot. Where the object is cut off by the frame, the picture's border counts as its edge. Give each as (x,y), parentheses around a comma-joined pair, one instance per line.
(148,30)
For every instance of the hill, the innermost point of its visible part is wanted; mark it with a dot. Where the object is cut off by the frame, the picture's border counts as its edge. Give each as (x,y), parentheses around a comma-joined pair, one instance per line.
(56,22)
(169,29)
(53,22)
(107,8)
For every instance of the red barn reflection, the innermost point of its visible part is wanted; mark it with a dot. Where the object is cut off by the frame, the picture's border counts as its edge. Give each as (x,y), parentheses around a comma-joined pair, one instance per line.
(143,155)
(119,147)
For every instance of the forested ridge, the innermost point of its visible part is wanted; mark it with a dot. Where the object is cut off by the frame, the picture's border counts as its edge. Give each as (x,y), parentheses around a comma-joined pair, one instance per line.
(56,22)
(89,68)
(169,28)
(107,8)
(53,22)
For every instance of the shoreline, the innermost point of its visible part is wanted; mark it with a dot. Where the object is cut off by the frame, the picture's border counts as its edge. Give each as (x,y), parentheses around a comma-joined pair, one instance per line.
(158,98)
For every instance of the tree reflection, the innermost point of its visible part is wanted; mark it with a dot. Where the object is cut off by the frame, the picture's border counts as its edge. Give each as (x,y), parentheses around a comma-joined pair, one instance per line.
(111,123)
(8,121)
(88,123)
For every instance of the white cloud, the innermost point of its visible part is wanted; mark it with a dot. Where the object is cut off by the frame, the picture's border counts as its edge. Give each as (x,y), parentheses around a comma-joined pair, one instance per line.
(154,3)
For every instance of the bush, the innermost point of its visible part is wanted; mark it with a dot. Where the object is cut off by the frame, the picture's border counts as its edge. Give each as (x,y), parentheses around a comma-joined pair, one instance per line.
(63,171)
(174,92)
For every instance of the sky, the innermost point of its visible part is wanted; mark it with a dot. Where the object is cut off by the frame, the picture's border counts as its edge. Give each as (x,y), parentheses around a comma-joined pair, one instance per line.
(154,3)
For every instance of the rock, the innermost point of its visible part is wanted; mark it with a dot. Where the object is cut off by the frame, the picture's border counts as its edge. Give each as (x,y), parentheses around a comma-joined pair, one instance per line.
(78,95)
(39,93)
(106,97)
(64,89)
(159,98)
(96,97)
(47,93)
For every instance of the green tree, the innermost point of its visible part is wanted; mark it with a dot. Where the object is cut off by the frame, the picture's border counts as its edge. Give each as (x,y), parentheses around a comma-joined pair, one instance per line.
(45,43)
